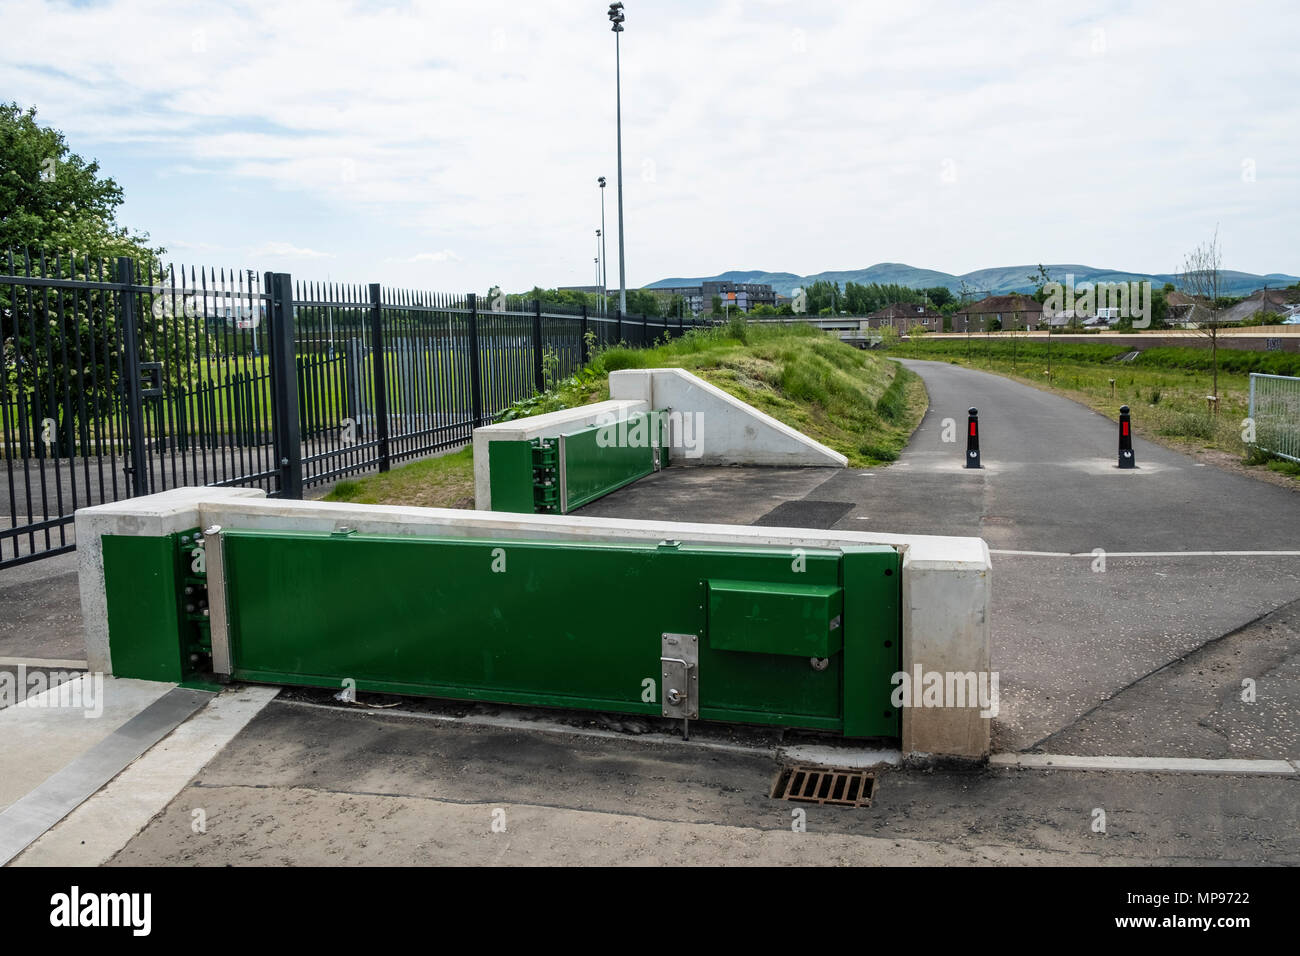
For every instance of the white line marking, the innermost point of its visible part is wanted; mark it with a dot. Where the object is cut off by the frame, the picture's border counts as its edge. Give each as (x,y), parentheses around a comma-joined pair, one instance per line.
(1033,554)
(1150,554)
(1144,764)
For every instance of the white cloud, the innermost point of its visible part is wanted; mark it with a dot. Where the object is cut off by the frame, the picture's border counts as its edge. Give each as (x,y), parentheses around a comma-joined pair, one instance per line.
(446,255)
(285,250)
(800,136)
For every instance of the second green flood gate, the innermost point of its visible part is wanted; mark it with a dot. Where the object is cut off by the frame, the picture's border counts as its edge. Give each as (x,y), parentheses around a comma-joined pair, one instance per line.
(561,474)
(806,639)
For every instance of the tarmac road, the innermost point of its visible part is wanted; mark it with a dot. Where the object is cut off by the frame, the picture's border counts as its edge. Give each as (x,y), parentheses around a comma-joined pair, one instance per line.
(1067,635)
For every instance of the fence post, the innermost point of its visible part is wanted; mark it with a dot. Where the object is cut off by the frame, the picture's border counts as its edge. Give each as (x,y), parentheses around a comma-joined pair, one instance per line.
(539,376)
(285,425)
(379,369)
(475,372)
(585,352)
(139,468)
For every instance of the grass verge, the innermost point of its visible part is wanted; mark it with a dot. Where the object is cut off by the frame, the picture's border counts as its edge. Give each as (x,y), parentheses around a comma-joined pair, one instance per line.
(443,482)
(858,403)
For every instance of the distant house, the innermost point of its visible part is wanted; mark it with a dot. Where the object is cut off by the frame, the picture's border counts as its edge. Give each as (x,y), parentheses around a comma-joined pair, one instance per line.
(1013,311)
(903,316)
(1187,311)
(1279,301)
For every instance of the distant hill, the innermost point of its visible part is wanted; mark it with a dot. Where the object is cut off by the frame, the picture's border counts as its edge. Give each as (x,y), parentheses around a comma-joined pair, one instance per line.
(997,281)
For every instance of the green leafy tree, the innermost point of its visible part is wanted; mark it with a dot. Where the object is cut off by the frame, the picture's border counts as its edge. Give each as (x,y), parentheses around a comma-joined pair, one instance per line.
(642,302)
(939,296)
(823,295)
(52,199)
(1039,279)
(59,354)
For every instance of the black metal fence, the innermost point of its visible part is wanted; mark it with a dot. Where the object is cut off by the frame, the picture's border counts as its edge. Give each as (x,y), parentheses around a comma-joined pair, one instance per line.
(123,378)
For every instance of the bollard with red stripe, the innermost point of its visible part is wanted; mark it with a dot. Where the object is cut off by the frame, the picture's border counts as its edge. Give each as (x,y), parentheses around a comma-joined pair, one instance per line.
(1126,459)
(973,439)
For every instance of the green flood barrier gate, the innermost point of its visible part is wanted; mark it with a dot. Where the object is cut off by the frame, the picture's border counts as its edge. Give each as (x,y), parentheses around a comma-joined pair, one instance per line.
(560,474)
(804,638)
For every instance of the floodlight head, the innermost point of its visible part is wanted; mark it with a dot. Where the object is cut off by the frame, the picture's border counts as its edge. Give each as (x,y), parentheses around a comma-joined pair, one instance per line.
(601,180)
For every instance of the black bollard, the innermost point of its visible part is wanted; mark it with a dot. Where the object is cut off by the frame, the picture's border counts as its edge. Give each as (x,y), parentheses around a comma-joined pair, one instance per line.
(1126,459)
(973,439)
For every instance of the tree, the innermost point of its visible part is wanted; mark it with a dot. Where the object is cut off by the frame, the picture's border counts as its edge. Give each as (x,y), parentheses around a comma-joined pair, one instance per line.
(1201,278)
(939,296)
(643,301)
(52,199)
(716,305)
(58,354)
(823,295)
(1039,279)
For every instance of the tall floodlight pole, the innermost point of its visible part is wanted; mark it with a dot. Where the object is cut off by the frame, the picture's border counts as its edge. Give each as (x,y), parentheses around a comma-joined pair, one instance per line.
(616,17)
(603,281)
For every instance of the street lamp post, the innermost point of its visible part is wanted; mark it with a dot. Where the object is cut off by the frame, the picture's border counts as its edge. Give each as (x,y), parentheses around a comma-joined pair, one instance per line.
(616,17)
(603,281)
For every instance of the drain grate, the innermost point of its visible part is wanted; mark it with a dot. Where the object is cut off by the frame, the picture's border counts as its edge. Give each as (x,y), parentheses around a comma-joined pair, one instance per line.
(825,785)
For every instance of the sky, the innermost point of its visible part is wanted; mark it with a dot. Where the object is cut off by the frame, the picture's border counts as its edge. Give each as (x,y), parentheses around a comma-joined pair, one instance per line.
(452,146)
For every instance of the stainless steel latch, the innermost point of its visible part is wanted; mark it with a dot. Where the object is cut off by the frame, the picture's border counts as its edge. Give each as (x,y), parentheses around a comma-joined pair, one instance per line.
(679,666)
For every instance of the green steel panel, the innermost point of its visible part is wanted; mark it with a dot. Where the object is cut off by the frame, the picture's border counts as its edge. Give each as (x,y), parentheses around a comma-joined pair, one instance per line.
(510,475)
(604,458)
(872,578)
(144,610)
(799,619)
(535,622)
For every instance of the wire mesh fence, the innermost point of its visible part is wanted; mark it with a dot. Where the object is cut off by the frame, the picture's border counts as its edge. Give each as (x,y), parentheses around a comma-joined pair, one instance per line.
(1275,413)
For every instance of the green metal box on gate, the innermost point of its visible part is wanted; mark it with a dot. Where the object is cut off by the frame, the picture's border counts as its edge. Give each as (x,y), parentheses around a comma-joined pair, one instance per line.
(763,618)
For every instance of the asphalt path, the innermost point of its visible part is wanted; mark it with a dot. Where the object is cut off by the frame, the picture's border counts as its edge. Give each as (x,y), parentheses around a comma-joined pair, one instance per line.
(1072,630)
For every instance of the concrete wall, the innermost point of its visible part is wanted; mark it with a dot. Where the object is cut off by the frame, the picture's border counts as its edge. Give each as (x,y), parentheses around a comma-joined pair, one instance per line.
(710,427)
(541,426)
(945,584)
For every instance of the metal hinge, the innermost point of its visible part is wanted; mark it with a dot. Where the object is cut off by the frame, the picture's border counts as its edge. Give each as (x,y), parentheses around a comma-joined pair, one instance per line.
(546,476)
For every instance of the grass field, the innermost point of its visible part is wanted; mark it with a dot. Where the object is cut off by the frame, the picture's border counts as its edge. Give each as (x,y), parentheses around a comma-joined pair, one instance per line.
(857,402)
(1165,388)
(443,482)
